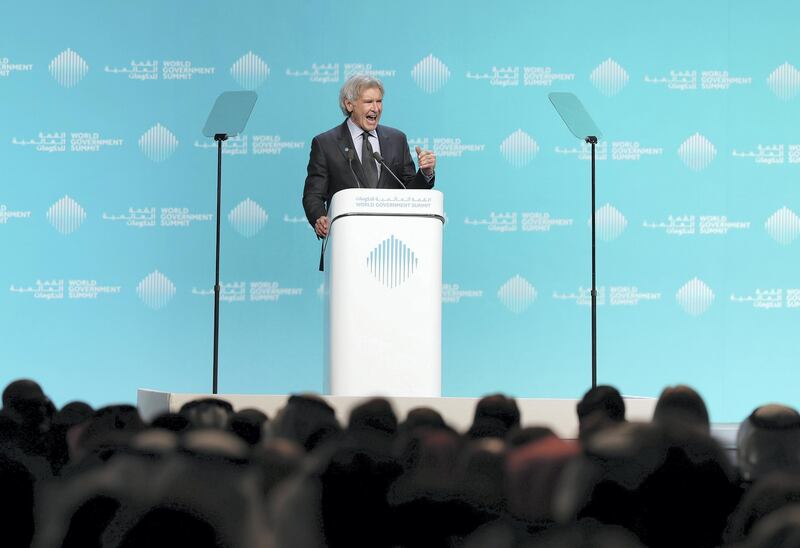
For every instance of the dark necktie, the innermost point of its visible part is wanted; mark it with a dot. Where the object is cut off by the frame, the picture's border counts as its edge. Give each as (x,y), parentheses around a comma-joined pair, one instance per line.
(368,162)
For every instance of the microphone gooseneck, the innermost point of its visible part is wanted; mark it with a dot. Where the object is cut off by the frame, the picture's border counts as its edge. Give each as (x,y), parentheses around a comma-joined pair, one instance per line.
(350,153)
(379,158)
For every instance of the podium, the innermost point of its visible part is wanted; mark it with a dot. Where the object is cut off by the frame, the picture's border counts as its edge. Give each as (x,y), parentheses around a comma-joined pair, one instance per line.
(384,293)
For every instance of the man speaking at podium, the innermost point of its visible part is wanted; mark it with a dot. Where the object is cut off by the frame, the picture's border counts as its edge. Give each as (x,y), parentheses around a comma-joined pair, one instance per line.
(360,154)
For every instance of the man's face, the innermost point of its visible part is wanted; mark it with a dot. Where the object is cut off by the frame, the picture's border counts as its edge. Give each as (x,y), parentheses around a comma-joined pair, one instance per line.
(365,111)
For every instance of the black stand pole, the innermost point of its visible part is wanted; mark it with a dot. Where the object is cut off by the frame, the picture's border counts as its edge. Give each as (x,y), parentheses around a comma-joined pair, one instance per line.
(593,141)
(219,138)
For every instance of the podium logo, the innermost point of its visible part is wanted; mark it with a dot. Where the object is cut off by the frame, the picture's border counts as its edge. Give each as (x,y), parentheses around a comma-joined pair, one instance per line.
(66,215)
(784,81)
(250,71)
(156,290)
(68,68)
(695,297)
(697,152)
(248,218)
(519,148)
(392,262)
(609,222)
(430,74)
(517,294)
(783,226)
(609,77)
(158,143)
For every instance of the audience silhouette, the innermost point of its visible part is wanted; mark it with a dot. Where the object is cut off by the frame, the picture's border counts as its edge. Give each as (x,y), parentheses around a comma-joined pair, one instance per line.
(210,475)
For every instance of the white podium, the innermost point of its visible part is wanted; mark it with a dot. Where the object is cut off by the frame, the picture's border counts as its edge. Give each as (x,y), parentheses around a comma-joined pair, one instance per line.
(384,293)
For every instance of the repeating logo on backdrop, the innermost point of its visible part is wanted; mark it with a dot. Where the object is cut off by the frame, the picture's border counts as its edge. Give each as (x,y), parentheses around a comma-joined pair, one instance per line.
(331,73)
(156,290)
(250,71)
(260,291)
(697,152)
(783,226)
(248,218)
(770,155)
(66,215)
(158,143)
(392,262)
(430,74)
(770,299)
(519,148)
(784,81)
(6,214)
(695,297)
(609,223)
(170,69)
(445,147)
(60,289)
(690,225)
(452,293)
(609,77)
(691,80)
(7,66)
(517,294)
(512,76)
(528,221)
(68,68)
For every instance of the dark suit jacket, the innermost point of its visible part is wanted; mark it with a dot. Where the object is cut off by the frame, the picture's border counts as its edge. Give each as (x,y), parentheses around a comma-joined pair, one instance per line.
(328,172)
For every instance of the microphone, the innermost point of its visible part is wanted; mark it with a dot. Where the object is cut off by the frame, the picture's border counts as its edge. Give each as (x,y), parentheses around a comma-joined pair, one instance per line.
(379,158)
(351,155)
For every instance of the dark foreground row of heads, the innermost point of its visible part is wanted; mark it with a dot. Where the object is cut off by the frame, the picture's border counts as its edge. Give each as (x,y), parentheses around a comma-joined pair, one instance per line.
(212,476)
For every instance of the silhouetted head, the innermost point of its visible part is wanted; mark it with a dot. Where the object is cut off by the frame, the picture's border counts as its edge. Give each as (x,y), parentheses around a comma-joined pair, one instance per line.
(207,413)
(768,440)
(73,413)
(600,407)
(422,417)
(25,402)
(248,424)
(374,415)
(495,416)
(682,405)
(174,422)
(308,420)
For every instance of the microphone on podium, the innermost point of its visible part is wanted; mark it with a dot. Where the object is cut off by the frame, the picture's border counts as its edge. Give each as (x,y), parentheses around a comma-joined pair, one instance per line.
(351,155)
(379,158)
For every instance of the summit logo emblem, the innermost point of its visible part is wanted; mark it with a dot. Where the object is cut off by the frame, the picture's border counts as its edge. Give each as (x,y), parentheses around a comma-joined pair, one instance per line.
(609,77)
(158,143)
(695,297)
(697,152)
(68,68)
(519,148)
(610,223)
(250,71)
(392,262)
(517,294)
(784,81)
(156,290)
(248,218)
(430,74)
(783,226)
(66,215)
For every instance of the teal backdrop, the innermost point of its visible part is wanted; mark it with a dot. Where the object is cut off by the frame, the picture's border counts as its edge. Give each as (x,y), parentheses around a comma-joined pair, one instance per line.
(107,198)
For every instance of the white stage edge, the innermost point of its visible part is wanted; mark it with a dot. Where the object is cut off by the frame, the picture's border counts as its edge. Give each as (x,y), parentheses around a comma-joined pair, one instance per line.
(558,414)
